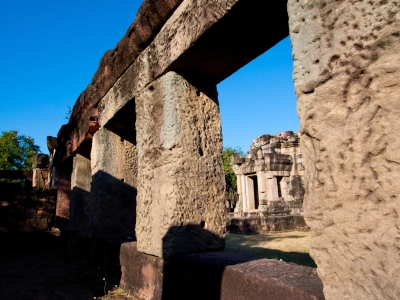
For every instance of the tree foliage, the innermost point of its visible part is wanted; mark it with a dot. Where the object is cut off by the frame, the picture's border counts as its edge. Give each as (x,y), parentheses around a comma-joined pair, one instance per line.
(16,151)
(230,176)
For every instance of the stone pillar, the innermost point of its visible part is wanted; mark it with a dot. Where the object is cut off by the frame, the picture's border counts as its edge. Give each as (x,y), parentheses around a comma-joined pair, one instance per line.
(63,194)
(272,189)
(180,178)
(346,73)
(113,189)
(80,190)
(250,193)
(239,204)
(261,180)
(244,192)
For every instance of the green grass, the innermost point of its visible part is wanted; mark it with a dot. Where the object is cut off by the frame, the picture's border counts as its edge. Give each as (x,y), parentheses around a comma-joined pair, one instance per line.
(290,246)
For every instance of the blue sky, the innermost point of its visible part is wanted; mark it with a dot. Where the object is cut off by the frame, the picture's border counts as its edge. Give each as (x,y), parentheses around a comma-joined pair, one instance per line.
(49,51)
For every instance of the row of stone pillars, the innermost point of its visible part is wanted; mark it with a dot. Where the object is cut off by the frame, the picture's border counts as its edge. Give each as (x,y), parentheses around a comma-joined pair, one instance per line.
(170,184)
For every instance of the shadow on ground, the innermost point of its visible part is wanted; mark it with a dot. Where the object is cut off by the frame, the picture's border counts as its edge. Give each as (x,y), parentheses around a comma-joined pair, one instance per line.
(33,266)
(250,245)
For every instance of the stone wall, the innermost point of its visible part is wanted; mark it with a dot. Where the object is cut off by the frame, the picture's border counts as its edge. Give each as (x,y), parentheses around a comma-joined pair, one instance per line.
(347,69)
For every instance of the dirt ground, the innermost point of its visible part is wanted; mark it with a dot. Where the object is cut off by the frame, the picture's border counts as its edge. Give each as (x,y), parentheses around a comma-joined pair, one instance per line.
(34,266)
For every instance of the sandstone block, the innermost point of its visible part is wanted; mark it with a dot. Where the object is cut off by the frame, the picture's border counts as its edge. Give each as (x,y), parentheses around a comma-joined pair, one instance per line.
(180,177)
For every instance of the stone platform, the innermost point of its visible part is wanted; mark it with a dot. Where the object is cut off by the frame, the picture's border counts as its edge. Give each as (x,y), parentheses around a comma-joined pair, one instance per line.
(245,223)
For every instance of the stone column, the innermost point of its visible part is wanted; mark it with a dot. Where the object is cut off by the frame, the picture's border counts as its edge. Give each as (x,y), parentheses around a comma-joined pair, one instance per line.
(261,180)
(250,193)
(272,189)
(346,73)
(180,178)
(80,188)
(239,204)
(113,190)
(244,192)
(63,194)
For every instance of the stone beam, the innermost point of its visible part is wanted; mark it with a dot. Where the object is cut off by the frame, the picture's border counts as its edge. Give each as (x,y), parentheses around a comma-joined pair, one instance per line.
(203,40)
(347,70)
(150,18)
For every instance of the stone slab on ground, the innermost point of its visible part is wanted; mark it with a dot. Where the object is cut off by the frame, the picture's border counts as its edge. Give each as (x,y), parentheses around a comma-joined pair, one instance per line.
(214,275)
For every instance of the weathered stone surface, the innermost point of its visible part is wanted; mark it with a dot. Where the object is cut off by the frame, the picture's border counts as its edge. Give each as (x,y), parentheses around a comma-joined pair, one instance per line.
(113,188)
(149,19)
(80,188)
(214,275)
(347,70)
(180,178)
(141,274)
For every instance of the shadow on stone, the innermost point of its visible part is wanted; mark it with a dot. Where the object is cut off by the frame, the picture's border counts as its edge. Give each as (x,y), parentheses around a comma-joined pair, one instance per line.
(192,275)
(113,208)
(79,210)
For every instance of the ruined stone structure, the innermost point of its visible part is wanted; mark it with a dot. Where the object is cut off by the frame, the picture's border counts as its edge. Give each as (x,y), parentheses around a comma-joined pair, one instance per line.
(270,185)
(156,98)
(26,202)
(270,177)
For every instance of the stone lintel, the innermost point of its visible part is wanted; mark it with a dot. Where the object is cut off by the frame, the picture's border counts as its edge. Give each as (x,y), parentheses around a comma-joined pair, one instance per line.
(203,40)
(150,17)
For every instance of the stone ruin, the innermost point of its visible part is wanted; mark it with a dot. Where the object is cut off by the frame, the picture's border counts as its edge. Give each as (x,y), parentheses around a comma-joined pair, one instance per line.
(141,155)
(269,183)
(27,201)
(270,177)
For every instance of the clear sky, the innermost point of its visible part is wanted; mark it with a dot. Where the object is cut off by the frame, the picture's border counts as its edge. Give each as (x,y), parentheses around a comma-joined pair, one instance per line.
(49,51)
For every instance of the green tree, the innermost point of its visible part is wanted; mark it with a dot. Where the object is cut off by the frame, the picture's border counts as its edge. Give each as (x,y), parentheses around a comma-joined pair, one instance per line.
(16,151)
(230,176)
